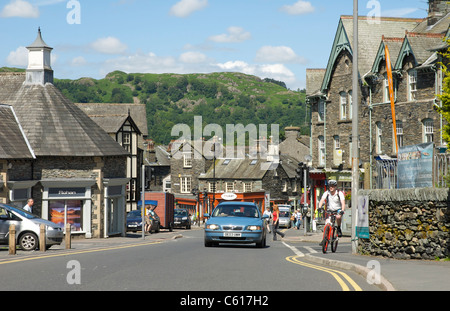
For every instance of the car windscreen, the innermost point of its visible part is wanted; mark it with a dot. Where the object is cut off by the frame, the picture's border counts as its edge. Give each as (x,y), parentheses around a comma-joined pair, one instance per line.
(134,214)
(180,212)
(284,214)
(236,211)
(22,212)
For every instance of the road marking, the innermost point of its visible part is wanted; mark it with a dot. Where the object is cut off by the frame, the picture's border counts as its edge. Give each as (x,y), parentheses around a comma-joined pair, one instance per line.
(294,249)
(79,252)
(334,273)
(310,249)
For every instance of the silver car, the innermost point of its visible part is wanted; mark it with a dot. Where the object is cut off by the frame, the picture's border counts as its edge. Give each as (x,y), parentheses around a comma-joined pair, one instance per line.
(27,228)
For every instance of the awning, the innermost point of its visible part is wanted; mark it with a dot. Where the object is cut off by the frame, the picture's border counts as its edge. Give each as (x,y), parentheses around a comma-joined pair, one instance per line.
(148,202)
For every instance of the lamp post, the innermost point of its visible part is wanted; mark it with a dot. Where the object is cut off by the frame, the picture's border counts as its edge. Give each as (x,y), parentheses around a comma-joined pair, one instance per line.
(355,130)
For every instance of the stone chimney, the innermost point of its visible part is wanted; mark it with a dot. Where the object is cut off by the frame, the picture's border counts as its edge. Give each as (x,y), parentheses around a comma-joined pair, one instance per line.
(437,9)
(39,70)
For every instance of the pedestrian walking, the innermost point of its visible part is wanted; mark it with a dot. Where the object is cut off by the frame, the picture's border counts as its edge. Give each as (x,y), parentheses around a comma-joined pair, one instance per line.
(268,220)
(298,219)
(29,206)
(276,222)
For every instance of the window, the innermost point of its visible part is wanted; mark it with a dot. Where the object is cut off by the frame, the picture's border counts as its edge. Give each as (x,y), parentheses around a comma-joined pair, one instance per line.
(412,85)
(212,187)
(378,133)
(350,104)
(321,110)
(247,187)
(126,141)
(428,130)
(337,142)
(186,184)
(343,105)
(321,145)
(63,212)
(399,134)
(187,160)
(385,89)
(229,186)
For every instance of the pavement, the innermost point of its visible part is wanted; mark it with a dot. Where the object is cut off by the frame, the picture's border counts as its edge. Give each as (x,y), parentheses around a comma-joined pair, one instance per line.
(394,274)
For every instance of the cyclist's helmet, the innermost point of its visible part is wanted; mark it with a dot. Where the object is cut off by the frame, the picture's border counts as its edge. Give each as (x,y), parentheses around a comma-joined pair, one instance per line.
(332,182)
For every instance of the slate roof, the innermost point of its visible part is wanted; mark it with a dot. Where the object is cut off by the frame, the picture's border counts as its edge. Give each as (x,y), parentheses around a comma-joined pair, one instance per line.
(237,169)
(370,35)
(314,78)
(111,117)
(13,143)
(53,125)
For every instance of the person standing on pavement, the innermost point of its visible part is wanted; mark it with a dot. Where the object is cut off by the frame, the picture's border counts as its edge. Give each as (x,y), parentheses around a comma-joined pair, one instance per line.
(276,222)
(29,206)
(268,213)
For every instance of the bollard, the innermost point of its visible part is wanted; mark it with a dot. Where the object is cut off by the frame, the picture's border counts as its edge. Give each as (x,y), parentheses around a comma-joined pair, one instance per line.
(68,236)
(12,239)
(42,238)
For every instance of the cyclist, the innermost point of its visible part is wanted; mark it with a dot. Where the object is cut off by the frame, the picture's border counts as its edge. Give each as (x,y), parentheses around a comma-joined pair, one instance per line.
(335,201)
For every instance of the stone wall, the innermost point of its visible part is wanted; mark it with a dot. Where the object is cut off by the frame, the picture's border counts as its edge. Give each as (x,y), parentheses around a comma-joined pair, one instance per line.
(408,223)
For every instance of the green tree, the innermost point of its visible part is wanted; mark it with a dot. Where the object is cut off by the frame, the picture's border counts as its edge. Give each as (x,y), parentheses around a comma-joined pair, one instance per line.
(445,96)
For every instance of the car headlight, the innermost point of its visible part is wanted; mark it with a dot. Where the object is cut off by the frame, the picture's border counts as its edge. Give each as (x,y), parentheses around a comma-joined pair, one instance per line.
(254,228)
(184,218)
(212,227)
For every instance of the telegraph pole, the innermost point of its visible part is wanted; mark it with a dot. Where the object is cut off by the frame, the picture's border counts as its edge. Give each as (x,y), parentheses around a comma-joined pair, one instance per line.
(355,130)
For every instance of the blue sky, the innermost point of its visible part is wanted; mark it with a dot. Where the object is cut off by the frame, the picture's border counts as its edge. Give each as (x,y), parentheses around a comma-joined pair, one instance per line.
(278,39)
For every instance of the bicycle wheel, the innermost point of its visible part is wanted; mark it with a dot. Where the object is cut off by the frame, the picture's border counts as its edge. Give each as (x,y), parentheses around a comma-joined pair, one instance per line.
(325,239)
(334,240)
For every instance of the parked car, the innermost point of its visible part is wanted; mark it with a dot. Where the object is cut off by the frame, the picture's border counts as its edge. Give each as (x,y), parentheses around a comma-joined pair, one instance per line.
(235,222)
(182,218)
(27,228)
(285,215)
(134,221)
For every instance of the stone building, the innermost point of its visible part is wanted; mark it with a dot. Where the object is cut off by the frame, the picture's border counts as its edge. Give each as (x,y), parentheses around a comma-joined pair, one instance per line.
(126,124)
(417,78)
(73,169)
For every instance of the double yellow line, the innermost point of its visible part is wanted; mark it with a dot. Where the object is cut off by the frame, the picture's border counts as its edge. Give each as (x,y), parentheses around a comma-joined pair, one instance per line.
(69,252)
(335,273)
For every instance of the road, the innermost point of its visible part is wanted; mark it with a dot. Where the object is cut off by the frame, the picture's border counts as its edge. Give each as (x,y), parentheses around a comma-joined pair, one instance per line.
(182,264)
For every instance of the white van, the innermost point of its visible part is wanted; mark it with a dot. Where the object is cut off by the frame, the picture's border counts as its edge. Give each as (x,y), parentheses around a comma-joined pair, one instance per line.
(285,215)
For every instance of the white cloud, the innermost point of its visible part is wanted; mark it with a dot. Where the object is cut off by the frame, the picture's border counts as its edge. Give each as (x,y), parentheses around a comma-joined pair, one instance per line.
(185,8)
(298,8)
(19,57)
(399,12)
(193,57)
(79,61)
(20,8)
(109,45)
(235,34)
(278,54)
(274,71)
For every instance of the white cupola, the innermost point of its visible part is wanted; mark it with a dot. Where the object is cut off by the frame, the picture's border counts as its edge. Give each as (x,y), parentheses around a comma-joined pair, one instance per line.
(39,70)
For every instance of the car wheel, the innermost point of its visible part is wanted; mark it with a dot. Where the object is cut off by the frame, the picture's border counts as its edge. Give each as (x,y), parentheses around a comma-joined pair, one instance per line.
(261,244)
(28,241)
(208,244)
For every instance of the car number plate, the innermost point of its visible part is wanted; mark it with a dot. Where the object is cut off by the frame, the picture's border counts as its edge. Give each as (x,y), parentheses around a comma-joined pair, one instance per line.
(232,234)
(177,222)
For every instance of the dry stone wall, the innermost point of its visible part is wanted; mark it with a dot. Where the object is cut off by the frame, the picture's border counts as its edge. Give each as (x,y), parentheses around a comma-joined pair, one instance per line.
(408,223)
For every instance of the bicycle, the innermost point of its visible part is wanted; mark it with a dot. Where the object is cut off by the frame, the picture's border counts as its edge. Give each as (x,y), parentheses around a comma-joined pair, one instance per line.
(330,234)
